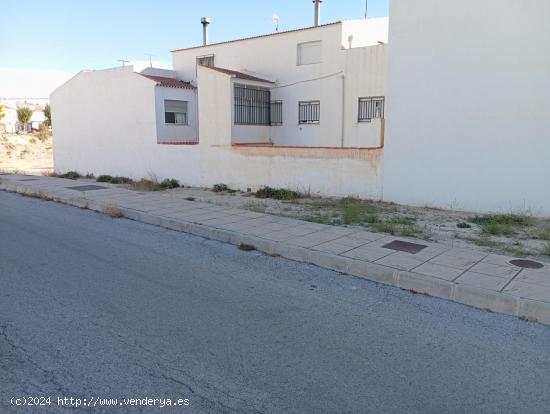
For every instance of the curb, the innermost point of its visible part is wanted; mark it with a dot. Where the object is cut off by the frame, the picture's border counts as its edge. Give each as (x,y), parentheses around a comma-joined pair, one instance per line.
(489,300)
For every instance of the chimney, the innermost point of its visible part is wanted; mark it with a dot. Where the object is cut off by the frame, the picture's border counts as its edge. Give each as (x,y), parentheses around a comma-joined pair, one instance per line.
(205,21)
(317,20)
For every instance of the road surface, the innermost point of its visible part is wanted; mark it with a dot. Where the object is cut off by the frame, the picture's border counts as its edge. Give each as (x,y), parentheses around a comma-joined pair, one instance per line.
(95,308)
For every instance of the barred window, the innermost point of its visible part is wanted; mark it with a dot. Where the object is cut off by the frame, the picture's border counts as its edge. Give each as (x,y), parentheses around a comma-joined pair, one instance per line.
(207,60)
(252,105)
(277,113)
(175,112)
(309,112)
(370,108)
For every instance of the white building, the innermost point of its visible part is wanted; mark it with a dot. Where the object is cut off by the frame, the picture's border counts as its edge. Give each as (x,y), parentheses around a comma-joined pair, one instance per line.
(468,110)
(469,104)
(310,116)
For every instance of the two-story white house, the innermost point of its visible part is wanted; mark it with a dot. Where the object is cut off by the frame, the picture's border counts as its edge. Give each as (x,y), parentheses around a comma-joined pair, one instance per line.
(302,109)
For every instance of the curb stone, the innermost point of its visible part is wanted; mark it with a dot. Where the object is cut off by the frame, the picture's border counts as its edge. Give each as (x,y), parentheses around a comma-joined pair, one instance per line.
(503,303)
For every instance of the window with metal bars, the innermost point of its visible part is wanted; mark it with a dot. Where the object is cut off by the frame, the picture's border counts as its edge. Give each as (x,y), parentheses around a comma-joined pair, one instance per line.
(207,60)
(277,113)
(370,108)
(252,105)
(309,112)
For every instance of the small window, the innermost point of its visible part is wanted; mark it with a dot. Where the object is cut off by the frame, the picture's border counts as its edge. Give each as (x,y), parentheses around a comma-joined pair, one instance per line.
(175,112)
(252,105)
(309,112)
(277,113)
(207,60)
(310,53)
(371,108)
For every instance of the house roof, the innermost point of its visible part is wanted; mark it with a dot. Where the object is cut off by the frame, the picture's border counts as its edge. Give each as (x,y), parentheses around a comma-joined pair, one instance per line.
(239,75)
(169,82)
(257,37)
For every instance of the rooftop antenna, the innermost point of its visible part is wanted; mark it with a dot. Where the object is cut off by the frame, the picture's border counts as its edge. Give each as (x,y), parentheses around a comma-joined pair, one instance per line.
(124,62)
(150,58)
(276,19)
(366,8)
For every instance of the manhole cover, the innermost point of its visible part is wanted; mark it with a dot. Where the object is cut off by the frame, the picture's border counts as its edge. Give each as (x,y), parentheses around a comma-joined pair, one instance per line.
(527,264)
(87,188)
(403,246)
(29,179)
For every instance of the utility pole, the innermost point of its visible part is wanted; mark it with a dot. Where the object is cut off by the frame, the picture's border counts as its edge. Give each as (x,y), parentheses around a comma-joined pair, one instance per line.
(150,59)
(366,8)
(124,62)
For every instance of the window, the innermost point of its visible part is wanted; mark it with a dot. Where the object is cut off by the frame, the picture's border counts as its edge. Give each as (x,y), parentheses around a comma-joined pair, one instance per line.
(175,112)
(309,112)
(207,60)
(277,113)
(370,108)
(252,105)
(309,53)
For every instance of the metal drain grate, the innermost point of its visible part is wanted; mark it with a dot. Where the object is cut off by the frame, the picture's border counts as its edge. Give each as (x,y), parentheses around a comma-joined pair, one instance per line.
(526,264)
(87,188)
(406,247)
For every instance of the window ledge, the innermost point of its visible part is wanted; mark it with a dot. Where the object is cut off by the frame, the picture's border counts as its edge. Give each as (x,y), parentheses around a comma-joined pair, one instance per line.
(178,143)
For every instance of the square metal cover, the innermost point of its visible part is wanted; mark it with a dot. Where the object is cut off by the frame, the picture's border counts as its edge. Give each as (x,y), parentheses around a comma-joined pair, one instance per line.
(404,246)
(87,187)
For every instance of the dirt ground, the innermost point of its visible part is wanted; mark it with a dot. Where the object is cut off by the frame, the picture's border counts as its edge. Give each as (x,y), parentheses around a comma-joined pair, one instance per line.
(26,153)
(514,233)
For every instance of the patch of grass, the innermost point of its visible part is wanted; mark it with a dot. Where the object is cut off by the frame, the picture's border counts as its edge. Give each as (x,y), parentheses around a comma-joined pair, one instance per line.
(546,250)
(483,242)
(324,219)
(496,229)
(104,178)
(170,183)
(406,221)
(278,193)
(464,225)
(145,185)
(70,175)
(504,219)
(384,227)
(351,215)
(543,234)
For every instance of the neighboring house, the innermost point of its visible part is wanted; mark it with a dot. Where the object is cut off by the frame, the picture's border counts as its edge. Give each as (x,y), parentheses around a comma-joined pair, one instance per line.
(9,121)
(301,109)
(467,110)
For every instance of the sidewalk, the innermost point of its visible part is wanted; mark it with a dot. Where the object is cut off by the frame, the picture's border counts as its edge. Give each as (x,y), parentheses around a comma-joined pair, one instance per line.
(471,277)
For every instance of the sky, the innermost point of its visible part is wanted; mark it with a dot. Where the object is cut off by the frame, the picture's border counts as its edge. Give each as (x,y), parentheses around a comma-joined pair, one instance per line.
(52,40)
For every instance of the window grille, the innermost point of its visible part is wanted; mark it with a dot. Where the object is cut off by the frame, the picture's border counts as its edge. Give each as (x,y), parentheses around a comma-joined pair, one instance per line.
(309,112)
(252,105)
(277,113)
(370,108)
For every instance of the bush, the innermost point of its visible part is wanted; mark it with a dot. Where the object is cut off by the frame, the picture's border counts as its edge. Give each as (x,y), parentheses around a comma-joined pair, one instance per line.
(277,193)
(219,188)
(104,179)
(24,115)
(463,226)
(70,175)
(120,180)
(170,183)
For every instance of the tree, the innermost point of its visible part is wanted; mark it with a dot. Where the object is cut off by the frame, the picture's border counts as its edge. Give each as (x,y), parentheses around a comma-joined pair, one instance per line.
(1,112)
(24,114)
(48,115)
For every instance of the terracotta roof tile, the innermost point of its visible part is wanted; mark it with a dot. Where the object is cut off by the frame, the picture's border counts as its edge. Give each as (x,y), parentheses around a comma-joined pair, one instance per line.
(238,75)
(169,82)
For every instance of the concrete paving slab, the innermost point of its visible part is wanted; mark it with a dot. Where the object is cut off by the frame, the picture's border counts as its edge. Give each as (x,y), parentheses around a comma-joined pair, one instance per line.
(449,259)
(401,261)
(506,272)
(368,253)
(482,281)
(439,271)
(528,290)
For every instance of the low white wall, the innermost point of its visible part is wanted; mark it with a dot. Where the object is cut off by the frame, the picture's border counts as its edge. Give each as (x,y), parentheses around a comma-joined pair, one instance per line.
(468,122)
(104,122)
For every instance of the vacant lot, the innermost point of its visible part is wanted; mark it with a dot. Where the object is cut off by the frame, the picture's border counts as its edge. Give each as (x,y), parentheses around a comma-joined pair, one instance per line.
(28,153)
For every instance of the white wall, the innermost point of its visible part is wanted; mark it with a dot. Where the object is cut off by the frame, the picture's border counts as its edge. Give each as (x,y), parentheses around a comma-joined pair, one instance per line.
(377,32)
(173,132)
(104,122)
(336,172)
(468,122)
(275,58)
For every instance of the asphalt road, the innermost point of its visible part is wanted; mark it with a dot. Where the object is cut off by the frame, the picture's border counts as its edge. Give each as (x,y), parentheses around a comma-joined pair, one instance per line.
(95,307)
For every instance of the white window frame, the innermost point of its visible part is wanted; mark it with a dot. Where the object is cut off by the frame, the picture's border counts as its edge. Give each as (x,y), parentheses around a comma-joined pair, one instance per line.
(299,48)
(311,120)
(211,56)
(182,113)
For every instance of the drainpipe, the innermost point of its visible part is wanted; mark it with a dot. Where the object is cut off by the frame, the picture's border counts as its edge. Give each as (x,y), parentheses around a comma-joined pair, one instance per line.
(205,21)
(317,19)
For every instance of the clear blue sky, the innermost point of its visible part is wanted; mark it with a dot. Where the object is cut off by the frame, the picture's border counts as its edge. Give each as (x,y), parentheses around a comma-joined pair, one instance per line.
(72,35)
